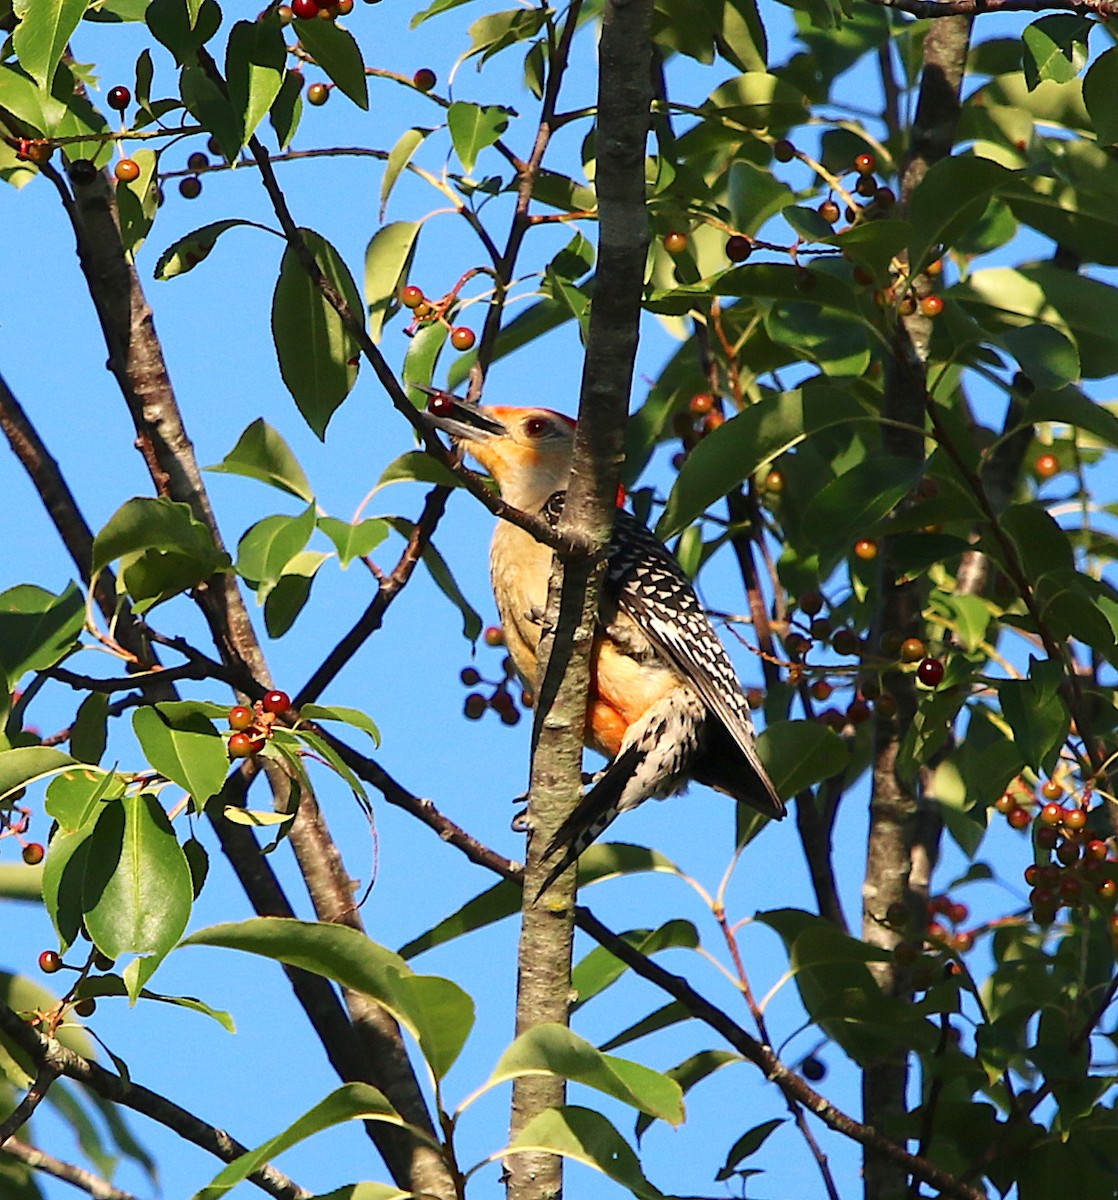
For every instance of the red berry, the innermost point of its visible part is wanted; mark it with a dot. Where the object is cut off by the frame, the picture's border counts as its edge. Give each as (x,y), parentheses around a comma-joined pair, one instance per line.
(784,151)
(276,703)
(1051,814)
(1005,803)
(119,98)
(1107,890)
(462,338)
(1032,875)
(50,962)
(412,297)
(494,636)
(190,188)
(821,690)
(845,641)
(1051,790)
(858,713)
(738,248)
(33,853)
(865,164)
(1018,818)
(127,170)
(343,7)
(701,404)
(1074,819)
(318,94)
(675,242)
(931,306)
(441,404)
(829,211)
(865,549)
(1046,465)
(755,698)
(931,672)
(241,718)
(425,79)
(304,9)
(241,745)
(1095,850)
(964,941)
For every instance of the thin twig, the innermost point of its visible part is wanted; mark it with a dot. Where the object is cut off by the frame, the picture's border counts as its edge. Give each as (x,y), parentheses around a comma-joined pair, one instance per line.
(79,1177)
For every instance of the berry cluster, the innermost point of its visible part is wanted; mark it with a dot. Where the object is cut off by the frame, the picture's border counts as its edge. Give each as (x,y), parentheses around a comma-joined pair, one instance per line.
(309,10)
(253,726)
(1074,867)
(703,415)
(425,311)
(500,699)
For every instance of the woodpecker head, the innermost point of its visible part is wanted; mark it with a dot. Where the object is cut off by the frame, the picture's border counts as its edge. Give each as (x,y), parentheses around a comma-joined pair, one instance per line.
(526,450)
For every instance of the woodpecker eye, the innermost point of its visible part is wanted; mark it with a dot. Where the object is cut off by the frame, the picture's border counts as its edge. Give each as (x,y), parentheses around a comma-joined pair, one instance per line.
(538,427)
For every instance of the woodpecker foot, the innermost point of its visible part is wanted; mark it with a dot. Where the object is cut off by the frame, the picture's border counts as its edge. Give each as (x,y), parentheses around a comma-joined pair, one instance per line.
(520,822)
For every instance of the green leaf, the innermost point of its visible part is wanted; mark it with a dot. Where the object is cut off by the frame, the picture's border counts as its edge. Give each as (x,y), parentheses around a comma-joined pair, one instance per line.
(89,733)
(691,1071)
(136,892)
(350,1102)
(1039,725)
(255,818)
(587,1137)
(552,1049)
(416,466)
(37,628)
(849,506)
(1100,85)
(756,436)
(39,40)
(183,746)
(1055,49)
(27,765)
(387,260)
(398,158)
(266,548)
(837,341)
(1048,356)
(366,1191)
(212,109)
(798,754)
(600,968)
(261,453)
(948,200)
(338,712)
(287,599)
(353,541)
(352,960)
(491,34)
(137,201)
(749,1143)
(287,109)
(670,1014)
(755,100)
(494,904)
(318,356)
(336,52)
(841,995)
(186,253)
(63,877)
(163,549)
(473,127)
(255,59)
(74,796)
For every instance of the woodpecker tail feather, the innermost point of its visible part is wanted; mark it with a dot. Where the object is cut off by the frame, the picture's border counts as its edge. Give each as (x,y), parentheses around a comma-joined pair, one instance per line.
(593,815)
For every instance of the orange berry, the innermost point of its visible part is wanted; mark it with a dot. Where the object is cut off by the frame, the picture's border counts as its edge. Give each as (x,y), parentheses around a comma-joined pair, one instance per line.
(127,170)
(865,549)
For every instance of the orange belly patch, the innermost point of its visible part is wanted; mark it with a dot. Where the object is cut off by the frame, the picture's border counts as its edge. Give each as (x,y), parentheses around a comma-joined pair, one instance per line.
(621,692)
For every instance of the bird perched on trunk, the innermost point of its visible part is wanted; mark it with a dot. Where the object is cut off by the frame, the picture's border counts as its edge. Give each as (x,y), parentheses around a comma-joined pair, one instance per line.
(665,703)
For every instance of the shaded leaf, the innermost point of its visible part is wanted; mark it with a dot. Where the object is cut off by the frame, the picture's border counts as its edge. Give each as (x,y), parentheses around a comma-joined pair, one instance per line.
(353,541)
(387,259)
(186,253)
(798,754)
(337,53)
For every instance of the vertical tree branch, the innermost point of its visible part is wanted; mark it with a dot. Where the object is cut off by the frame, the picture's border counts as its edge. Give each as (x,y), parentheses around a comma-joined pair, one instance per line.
(894,836)
(624,97)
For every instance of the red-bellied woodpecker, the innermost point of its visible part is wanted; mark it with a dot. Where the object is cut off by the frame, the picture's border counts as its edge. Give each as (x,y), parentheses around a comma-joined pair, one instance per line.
(665,703)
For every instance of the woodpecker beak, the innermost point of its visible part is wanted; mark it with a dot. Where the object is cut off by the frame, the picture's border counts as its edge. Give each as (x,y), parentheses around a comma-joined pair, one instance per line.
(464,422)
